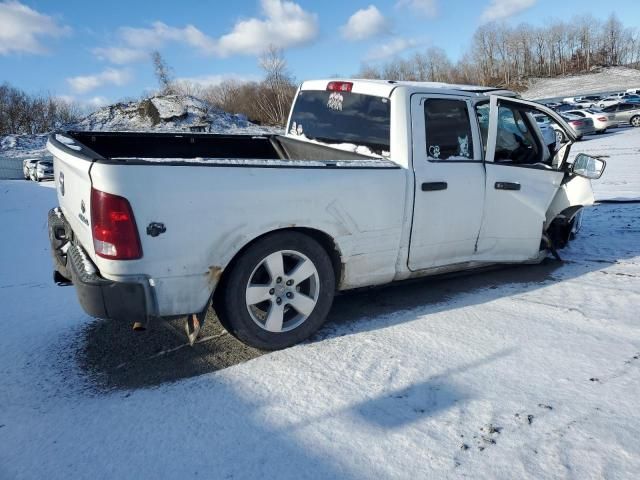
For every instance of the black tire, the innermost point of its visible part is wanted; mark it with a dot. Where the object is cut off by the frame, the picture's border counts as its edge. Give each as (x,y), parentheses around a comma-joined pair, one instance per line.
(231,306)
(635,121)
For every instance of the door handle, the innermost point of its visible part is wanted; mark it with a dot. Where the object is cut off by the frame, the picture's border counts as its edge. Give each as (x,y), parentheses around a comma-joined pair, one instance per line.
(433,186)
(507,186)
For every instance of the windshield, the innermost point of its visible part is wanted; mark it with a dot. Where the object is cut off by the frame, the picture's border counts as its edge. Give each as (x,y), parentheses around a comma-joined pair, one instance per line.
(343,117)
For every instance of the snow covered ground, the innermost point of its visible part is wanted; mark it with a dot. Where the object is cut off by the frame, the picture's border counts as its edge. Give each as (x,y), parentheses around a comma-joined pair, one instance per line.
(621,148)
(606,80)
(526,372)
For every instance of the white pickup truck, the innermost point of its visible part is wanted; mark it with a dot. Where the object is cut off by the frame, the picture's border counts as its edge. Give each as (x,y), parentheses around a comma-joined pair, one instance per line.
(374,182)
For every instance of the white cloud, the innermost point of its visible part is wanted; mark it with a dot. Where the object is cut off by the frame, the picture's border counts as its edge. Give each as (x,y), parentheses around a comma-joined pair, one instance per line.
(84,103)
(161,33)
(427,8)
(365,23)
(97,102)
(213,80)
(391,48)
(22,29)
(283,24)
(87,83)
(121,55)
(500,9)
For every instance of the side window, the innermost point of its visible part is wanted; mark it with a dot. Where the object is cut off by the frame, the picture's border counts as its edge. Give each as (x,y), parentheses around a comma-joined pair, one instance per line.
(516,142)
(626,106)
(448,130)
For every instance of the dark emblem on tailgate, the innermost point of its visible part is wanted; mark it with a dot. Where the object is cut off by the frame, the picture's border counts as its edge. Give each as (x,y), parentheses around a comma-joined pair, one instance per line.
(61,183)
(82,207)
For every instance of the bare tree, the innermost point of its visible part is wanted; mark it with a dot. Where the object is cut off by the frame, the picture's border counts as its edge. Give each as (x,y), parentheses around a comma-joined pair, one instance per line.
(21,113)
(508,56)
(277,89)
(163,73)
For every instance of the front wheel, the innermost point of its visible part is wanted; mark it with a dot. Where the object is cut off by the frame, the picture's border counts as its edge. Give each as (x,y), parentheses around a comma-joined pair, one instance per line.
(279,292)
(635,121)
(559,137)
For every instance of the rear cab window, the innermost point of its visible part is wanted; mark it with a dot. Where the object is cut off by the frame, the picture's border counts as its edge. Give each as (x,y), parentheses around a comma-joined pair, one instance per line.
(335,118)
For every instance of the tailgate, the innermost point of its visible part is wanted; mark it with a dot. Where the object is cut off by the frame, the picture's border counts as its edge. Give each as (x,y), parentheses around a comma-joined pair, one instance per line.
(71,165)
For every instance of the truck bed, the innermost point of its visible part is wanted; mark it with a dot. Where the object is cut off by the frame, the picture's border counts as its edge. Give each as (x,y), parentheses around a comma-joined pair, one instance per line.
(209,149)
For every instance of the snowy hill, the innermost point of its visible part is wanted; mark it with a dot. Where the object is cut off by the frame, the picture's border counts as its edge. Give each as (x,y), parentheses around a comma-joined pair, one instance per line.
(603,80)
(166,113)
(12,146)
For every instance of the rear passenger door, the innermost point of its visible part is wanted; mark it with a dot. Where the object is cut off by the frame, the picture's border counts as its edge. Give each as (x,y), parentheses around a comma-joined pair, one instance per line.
(449,181)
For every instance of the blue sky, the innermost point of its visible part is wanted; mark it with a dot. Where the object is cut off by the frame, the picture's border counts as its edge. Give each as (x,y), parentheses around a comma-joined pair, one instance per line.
(99,51)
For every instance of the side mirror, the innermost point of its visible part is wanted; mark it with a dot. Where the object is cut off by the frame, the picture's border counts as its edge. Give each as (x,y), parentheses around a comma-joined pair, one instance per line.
(588,167)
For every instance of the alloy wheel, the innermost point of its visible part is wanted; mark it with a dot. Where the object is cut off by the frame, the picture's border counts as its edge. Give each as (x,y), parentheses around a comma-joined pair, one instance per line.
(282,291)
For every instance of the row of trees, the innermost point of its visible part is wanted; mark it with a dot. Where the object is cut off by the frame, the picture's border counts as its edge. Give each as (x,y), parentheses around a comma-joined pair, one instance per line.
(499,55)
(502,55)
(21,113)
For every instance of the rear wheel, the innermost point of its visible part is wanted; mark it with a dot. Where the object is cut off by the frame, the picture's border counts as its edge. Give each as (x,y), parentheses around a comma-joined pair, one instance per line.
(278,292)
(559,137)
(635,121)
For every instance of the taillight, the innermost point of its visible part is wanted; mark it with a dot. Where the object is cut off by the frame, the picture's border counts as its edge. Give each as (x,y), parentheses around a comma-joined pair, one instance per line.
(575,123)
(602,119)
(339,86)
(115,235)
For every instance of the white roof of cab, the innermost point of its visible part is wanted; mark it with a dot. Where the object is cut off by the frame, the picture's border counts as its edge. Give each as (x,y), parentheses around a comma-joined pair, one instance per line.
(383,88)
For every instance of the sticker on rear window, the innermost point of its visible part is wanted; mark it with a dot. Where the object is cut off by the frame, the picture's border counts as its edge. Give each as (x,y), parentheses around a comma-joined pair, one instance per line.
(335,101)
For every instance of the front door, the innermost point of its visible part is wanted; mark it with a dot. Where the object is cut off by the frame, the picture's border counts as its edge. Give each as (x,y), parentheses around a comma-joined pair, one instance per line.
(522,178)
(449,181)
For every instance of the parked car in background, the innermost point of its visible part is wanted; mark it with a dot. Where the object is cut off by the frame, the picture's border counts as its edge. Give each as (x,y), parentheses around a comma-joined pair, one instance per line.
(552,105)
(27,167)
(632,99)
(43,170)
(587,101)
(581,126)
(589,98)
(624,113)
(566,107)
(601,120)
(609,101)
(548,132)
(633,91)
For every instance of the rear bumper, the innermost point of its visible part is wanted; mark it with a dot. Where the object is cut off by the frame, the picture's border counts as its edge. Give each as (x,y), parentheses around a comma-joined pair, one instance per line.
(104,298)
(98,296)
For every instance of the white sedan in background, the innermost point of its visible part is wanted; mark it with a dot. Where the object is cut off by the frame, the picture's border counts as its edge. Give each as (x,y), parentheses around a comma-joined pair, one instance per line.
(43,170)
(28,167)
(601,120)
(610,100)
